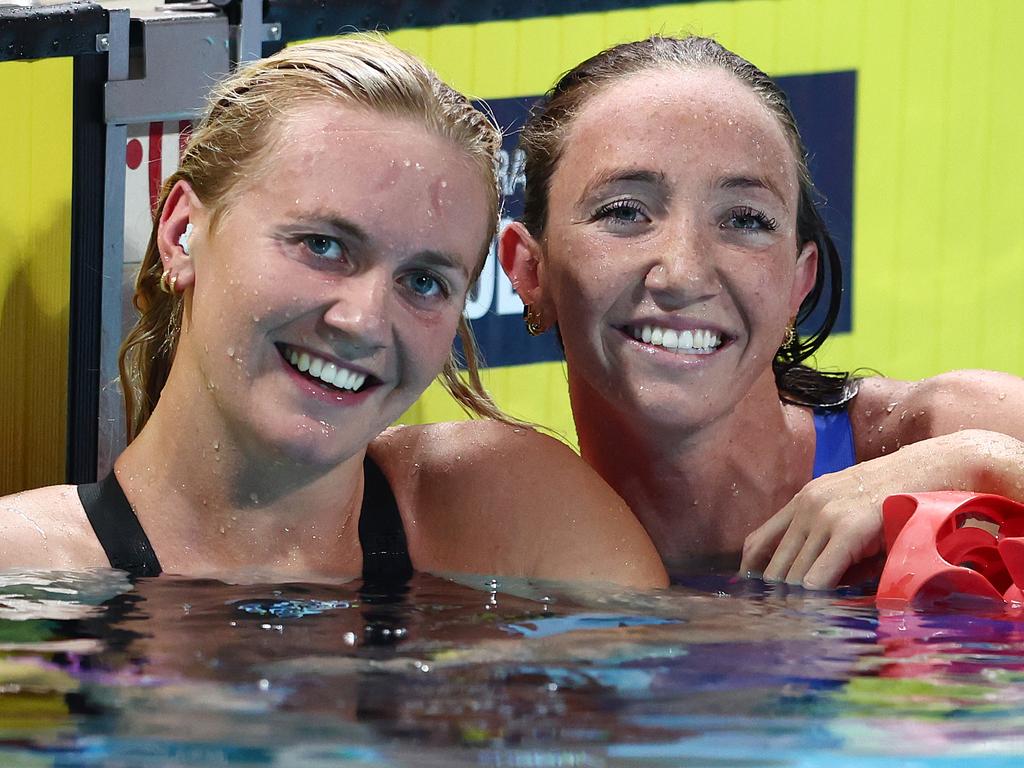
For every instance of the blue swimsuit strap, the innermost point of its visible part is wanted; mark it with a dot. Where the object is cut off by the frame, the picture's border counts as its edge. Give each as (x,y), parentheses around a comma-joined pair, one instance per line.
(833,447)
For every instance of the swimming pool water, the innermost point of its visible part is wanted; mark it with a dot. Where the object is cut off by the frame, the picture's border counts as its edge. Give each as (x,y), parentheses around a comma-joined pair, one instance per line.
(173,672)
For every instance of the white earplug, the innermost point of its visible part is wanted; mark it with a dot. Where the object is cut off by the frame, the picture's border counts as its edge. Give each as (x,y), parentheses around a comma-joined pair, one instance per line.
(183,240)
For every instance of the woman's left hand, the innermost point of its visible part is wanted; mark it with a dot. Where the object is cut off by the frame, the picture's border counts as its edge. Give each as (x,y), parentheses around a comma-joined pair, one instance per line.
(835,521)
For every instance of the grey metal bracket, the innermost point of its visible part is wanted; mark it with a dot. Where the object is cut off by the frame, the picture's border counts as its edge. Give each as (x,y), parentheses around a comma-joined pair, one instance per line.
(177,59)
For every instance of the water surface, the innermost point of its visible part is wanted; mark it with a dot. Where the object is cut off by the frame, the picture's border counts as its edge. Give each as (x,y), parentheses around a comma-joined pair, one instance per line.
(173,672)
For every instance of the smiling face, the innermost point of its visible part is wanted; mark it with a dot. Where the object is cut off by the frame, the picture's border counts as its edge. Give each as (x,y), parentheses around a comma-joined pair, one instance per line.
(671,261)
(327,295)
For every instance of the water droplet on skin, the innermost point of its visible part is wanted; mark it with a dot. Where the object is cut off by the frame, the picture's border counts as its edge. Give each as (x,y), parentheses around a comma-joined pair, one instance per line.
(880,428)
(1002,395)
(254,498)
(221,530)
(444,184)
(231,352)
(890,407)
(216,445)
(407,163)
(867,413)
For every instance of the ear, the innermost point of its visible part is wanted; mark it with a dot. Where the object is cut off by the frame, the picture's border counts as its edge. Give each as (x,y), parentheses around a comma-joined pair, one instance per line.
(181,208)
(803,279)
(520,257)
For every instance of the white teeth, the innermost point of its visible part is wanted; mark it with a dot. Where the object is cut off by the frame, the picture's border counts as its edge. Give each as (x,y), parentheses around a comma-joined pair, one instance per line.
(327,372)
(697,342)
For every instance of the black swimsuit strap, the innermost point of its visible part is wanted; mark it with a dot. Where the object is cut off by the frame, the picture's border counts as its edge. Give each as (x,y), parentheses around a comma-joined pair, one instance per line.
(117,528)
(381,534)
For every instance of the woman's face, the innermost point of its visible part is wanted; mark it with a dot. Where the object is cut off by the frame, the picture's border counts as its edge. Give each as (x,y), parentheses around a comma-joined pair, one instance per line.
(327,296)
(671,262)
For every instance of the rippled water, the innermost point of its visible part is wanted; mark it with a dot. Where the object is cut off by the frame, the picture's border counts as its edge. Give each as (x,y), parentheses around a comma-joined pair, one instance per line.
(185,673)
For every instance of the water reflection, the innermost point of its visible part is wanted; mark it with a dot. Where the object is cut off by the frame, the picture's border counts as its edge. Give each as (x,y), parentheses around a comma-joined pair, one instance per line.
(177,672)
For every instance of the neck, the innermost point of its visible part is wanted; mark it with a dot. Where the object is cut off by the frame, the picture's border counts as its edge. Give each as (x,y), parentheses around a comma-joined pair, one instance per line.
(699,490)
(214,505)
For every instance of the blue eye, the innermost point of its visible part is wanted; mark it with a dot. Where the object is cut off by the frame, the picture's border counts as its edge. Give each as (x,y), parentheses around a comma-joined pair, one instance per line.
(324,247)
(747,218)
(622,212)
(425,285)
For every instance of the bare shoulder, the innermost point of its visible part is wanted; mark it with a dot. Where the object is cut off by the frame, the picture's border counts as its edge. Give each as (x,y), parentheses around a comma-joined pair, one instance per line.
(517,500)
(47,528)
(888,413)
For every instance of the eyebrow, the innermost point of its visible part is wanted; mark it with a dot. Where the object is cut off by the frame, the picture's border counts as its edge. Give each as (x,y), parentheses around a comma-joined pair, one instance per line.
(752,182)
(340,224)
(328,221)
(442,260)
(617,175)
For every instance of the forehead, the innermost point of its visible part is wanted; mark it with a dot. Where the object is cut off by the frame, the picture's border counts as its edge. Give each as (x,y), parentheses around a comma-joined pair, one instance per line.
(368,167)
(693,119)
(362,148)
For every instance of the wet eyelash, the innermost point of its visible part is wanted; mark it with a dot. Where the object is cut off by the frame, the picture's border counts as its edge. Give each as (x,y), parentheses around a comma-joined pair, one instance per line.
(443,286)
(752,213)
(618,205)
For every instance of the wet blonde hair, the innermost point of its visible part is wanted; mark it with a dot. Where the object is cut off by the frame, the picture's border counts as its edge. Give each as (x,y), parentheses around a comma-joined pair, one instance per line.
(232,141)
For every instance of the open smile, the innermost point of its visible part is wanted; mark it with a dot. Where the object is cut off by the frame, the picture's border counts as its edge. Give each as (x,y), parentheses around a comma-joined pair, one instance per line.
(327,373)
(697,341)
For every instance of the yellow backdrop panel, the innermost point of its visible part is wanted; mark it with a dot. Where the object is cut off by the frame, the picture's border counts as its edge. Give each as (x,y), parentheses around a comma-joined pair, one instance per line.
(937,238)
(35,243)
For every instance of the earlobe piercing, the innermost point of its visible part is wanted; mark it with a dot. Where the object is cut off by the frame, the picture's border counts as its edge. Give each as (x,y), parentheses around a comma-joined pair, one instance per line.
(183,240)
(534,325)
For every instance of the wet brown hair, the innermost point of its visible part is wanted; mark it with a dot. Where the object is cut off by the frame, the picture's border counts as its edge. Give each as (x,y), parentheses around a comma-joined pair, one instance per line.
(543,141)
(234,139)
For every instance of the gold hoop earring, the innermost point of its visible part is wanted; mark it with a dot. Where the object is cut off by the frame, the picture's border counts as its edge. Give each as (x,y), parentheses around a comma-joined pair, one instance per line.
(533,321)
(174,281)
(167,287)
(790,338)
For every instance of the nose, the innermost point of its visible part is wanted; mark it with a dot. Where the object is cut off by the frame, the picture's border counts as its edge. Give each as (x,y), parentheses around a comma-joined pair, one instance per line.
(685,272)
(358,312)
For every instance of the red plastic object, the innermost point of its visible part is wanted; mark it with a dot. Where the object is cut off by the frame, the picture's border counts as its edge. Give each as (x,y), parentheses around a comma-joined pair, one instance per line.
(950,547)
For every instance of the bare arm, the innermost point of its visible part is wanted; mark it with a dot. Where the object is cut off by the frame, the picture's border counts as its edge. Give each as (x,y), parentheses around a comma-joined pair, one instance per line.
(492,499)
(47,528)
(958,431)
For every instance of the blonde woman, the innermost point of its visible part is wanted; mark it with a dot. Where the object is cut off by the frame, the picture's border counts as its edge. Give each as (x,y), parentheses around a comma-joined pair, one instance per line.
(302,286)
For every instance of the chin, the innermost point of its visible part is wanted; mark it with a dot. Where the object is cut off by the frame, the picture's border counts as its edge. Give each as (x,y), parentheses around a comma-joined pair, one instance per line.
(657,409)
(316,444)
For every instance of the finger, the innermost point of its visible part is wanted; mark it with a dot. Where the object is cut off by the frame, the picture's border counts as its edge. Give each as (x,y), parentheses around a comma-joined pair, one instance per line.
(759,545)
(850,546)
(828,568)
(814,545)
(785,554)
